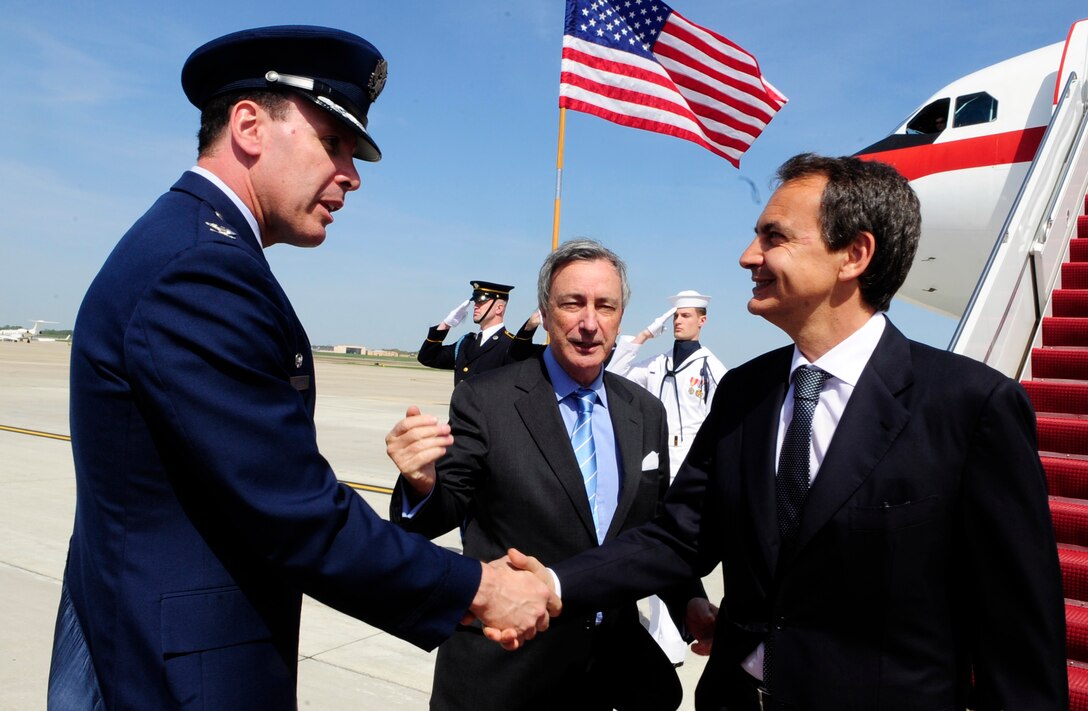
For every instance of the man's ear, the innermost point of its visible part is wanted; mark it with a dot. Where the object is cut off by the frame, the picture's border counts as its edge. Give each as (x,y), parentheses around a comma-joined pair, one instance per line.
(858,254)
(246,125)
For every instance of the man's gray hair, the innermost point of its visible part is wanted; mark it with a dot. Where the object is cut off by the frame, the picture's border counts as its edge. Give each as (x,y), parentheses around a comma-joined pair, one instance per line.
(578,250)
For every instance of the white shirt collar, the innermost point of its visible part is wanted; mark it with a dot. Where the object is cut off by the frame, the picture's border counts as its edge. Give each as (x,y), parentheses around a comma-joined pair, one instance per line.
(246,213)
(489,332)
(846,360)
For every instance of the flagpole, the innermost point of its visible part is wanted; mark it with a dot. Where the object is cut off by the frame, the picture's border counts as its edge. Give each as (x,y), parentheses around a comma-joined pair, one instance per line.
(558,177)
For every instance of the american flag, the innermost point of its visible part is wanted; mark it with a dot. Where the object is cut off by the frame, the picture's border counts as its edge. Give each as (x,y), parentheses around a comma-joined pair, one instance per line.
(638,63)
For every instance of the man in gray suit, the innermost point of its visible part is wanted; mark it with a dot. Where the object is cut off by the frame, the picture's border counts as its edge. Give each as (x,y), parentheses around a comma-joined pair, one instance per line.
(509,476)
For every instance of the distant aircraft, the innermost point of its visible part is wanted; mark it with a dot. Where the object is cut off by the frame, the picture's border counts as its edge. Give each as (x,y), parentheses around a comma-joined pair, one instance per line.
(22,334)
(970,146)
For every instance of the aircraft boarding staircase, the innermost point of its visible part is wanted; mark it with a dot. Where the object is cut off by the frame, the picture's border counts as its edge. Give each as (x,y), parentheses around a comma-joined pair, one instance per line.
(1028,318)
(1058,388)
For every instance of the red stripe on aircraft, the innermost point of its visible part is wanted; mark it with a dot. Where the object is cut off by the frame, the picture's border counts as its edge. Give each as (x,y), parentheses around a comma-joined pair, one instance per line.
(999,149)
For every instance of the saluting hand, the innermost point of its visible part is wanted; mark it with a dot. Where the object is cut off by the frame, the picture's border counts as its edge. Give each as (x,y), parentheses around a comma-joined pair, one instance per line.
(657,326)
(458,314)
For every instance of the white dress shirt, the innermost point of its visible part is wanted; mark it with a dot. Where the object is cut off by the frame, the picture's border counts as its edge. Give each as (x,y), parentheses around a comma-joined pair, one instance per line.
(844,362)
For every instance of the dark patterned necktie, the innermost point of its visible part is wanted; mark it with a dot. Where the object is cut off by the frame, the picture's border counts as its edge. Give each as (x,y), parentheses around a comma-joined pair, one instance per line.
(791,484)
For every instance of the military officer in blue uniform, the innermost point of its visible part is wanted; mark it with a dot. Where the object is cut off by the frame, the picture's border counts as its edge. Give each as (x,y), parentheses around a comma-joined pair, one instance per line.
(490,347)
(204,508)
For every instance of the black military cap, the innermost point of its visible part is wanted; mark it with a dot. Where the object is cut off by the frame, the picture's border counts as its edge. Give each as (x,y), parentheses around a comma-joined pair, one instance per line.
(340,72)
(487,290)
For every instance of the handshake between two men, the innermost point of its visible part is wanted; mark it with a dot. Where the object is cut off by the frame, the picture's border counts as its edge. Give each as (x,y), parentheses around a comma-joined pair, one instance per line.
(516,598)
(517,595)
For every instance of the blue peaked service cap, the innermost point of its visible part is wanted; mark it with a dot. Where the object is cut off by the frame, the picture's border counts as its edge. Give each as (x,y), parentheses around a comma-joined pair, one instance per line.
(340,72)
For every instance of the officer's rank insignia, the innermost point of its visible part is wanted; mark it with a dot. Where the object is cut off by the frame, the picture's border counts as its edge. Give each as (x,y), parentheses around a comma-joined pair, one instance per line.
(298,360)
(221,229)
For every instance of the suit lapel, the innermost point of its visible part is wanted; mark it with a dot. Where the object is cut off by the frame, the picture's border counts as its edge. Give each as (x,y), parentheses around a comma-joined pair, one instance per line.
(757,465)
(627,425)
(539,412)
(873,419)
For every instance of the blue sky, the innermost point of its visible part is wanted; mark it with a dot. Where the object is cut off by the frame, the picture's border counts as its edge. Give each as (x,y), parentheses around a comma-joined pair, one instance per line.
(96,127)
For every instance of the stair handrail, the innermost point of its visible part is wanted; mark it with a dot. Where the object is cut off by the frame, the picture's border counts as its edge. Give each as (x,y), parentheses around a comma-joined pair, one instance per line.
(1006,304)
(1051,244)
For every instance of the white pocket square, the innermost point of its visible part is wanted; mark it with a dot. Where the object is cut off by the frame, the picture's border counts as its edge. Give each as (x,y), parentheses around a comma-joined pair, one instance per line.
(649,461)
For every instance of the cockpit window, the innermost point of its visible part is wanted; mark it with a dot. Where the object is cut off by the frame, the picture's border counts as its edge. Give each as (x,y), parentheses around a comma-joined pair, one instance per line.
(974,109)
(931,119)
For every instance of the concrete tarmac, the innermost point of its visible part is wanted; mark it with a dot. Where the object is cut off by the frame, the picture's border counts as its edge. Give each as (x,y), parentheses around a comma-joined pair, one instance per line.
(343,663)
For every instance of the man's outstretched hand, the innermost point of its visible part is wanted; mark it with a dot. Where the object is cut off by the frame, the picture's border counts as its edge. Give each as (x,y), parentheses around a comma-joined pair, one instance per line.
(514,600)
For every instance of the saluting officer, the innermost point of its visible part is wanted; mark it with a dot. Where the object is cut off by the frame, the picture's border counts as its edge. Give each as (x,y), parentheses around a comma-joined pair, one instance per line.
(684,378)
(491,347)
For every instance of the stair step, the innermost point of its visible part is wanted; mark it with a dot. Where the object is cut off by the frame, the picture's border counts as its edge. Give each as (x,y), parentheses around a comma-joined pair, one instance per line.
(1071,302)
(1071,521)
(1067,434)
(1066,363)
(1075,275)
(1064,331)
(1066,474)
(1074,563)
(1065,396)
(1078,685)
(1078,248)
(1076,630)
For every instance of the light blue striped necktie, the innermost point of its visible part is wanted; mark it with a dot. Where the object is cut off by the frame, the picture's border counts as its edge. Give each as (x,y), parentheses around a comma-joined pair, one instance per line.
(585,452)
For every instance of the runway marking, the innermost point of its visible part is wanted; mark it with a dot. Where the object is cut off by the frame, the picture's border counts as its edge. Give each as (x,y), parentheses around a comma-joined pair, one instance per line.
(368,487)
(35,433)
(65,438)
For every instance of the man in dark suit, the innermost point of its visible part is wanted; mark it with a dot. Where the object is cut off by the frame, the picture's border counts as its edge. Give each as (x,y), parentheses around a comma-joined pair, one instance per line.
(204,509)
(512,476)
(490,347)
(882,522)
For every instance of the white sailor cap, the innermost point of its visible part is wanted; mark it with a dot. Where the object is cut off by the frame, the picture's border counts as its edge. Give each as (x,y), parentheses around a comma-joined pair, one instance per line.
(689,300)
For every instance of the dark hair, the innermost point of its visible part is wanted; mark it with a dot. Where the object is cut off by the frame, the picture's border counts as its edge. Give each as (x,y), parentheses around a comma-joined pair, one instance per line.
(214,115)
(578,250)
(865,196)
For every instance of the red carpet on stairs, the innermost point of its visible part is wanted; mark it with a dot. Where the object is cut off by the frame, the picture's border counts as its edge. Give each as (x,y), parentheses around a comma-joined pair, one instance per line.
(1059,392)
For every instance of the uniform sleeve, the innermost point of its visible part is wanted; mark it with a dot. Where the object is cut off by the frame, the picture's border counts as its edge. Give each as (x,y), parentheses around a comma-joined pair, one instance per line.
(1011,562)
(212,347)
(435,355)
(523,347)
(623,361)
